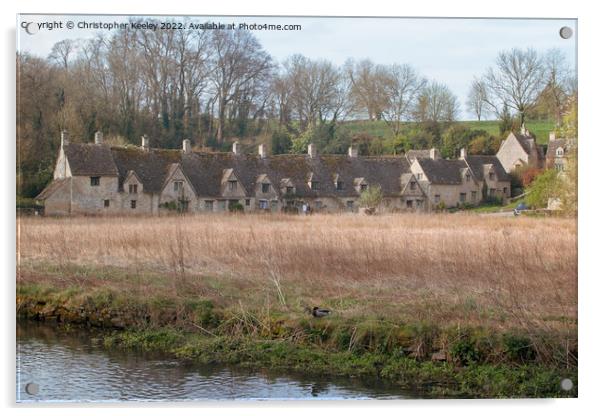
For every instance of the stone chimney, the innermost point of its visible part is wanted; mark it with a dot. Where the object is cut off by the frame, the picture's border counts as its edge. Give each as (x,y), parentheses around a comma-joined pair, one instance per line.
(145,142)
(186,146)
(352,151)
(312,151)
(263,153)
(434,154)
(552,136)
(64,137)
(463,153)
(98,137)
(236,148)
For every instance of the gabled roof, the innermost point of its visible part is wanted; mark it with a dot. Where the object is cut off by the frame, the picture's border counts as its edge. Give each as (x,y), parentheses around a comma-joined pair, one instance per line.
(90,159)
(524,141)
(443,171)
(51,188)
(477,162)
(418,154)
(553,145)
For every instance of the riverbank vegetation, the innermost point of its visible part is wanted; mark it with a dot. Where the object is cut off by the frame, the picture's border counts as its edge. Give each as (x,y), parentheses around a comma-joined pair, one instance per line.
(454,302)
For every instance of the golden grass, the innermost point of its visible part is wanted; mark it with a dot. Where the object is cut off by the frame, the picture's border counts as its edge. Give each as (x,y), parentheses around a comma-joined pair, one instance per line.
(446,268)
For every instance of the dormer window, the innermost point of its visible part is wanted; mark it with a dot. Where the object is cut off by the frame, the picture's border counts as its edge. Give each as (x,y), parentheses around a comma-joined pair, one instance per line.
(178,186)
(289,190)
(265,188)
(232,185)
(363,187)
(491,176)
(339,185)
(413,185)
(468,177)
(94,180)
(419,176)
(560,152)
(314,185)
(133,188)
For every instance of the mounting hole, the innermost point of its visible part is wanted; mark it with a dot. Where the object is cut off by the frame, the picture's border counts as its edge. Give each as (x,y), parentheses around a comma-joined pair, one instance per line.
(32,389)
(566,384)
(566,32)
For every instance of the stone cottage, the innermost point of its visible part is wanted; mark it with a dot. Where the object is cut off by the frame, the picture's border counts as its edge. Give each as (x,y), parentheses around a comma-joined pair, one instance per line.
(519,150)
(95,178)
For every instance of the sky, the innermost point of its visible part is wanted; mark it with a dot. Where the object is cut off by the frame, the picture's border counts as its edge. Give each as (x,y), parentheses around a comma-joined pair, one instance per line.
(450,51)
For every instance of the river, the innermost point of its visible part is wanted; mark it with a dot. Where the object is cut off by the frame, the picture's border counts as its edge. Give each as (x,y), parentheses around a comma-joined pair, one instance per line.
(74,366)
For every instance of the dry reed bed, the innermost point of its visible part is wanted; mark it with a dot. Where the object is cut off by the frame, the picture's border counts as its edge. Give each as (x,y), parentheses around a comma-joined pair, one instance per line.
(446,267)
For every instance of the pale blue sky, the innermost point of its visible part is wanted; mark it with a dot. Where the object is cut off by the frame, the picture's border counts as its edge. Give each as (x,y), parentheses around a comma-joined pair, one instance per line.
(451,51)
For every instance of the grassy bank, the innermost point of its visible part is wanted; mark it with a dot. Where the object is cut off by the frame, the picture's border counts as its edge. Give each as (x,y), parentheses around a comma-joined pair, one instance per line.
(458,304)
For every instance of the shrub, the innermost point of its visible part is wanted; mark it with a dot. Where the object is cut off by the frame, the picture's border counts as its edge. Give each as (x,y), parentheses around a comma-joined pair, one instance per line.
(465,351)
(518,348)
(235,207)
(545,186)
(371,197)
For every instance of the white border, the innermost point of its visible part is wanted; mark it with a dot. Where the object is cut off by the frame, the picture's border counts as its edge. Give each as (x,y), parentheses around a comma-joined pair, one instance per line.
(589,190)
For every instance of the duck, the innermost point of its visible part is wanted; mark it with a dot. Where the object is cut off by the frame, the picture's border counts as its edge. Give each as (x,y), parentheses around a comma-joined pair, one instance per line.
(318,312)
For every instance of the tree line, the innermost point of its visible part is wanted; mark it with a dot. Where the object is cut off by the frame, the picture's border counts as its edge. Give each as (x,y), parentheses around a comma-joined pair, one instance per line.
(214,86)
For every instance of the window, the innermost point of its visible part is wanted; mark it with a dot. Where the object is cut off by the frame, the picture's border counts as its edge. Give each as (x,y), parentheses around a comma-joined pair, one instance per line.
(468,177)
(419,176)
(559,166)
(492,191)
(339,186)
(247,202)
(265,188)
(560,152)
(263,204)
(178,186)
(412,185)
(221,205)
(315,185)
(491,176)
(94,180)
(232,185)
(437,199)
(289,190)
(473,196)
(133,189)
(133,204)
(505,190)
(209,205)
(350,205)
(418,203)
(363,187)
(184,206)
(409,203)
(462,197)
(107,203)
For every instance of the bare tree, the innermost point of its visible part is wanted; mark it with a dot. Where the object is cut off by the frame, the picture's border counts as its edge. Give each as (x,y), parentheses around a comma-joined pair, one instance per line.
(238,60)
(402,86)
(516,80)
(477,98)
(368,87)
(317,88)
(436,104)
(558,83)
(62,51)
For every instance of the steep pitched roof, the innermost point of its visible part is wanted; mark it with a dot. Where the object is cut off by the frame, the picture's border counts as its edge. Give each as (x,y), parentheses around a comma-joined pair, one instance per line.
(416,154)
(51,188)
(553,145)
(151,166)
(90,159)
(476,163)
(443,171)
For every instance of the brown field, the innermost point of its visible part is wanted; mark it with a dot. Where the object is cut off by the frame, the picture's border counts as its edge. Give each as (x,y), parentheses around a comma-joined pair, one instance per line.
(446,268)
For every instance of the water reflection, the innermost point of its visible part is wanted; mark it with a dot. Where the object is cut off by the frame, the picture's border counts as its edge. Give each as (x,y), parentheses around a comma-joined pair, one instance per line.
(74,366)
